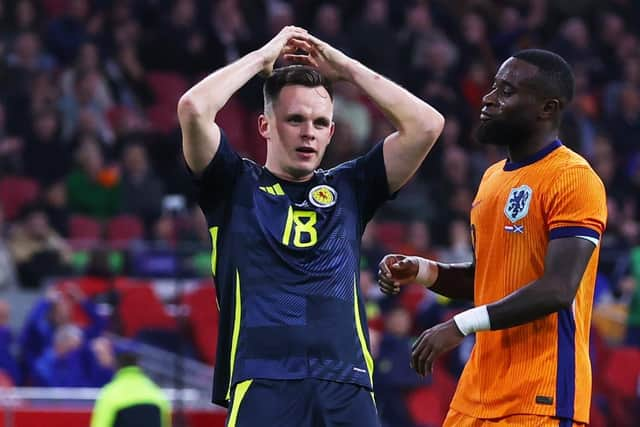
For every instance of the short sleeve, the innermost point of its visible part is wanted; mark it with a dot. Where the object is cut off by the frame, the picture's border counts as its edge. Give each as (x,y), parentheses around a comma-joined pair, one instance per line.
(215,183)
(577,205)
(371,178)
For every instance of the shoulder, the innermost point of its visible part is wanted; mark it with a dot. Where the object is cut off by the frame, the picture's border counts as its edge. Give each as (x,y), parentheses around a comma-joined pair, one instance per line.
(573,170)
(493,170)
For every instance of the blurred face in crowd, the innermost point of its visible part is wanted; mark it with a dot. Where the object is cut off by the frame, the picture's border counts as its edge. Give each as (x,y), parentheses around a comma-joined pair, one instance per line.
(135,159)
(46,126)
(88,56)
(57,195)
(510,109)
(328,20)
(37,224)
(67,339)
(398,322)
(90,157)
(297,127)
(61,311)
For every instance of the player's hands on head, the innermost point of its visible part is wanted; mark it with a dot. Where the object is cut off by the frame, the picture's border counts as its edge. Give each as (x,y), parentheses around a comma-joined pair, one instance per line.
(271,51)
(432,343)
(396,270)
(306,49)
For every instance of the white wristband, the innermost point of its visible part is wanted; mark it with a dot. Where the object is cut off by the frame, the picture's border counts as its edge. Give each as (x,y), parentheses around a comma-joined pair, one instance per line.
(473,320)
(427,272)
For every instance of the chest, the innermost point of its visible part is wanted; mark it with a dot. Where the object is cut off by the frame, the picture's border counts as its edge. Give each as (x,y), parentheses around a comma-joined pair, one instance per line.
(510,203)
(297,219)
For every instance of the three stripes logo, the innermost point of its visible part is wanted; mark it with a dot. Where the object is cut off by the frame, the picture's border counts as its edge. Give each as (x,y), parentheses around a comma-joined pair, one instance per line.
(274,190)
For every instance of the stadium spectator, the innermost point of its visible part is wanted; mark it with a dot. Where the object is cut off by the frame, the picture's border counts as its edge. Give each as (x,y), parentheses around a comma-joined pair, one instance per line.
(46,156)
(393,376)
(8,364)
(141,189)
(131,399)
(93,188)
(8,275)
(38,250)
(73,361)
(47,317)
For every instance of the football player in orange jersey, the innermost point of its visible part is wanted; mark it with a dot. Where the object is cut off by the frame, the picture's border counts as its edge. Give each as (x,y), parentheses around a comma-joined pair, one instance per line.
(536,223)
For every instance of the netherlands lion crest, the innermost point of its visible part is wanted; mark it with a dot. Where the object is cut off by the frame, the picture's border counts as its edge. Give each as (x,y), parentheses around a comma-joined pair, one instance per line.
(323,196)
(517,206)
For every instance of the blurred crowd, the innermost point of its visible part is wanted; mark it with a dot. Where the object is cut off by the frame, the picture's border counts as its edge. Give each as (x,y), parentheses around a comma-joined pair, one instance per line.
(93,183)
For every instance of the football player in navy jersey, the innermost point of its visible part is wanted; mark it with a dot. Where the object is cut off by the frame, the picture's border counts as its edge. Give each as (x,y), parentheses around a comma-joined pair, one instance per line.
(293,344)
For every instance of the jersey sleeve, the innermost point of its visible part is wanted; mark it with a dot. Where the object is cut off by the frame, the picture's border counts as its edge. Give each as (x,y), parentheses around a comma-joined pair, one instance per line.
(215,183)
(577,205)
(371,181)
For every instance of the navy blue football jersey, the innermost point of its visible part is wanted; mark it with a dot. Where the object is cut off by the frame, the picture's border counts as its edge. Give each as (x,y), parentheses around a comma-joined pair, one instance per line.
(285,261)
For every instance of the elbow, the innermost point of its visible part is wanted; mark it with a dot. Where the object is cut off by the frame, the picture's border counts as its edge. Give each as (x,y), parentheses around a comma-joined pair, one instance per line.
(563,296)
(189,109)
(430,126)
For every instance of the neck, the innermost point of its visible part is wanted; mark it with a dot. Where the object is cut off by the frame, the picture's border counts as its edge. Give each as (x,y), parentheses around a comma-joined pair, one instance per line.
(284,175)
(532,145)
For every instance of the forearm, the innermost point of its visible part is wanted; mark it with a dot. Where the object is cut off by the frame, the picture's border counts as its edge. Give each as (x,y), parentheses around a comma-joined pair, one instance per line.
(408,113)
(532,302)
(455,281)
(209,95)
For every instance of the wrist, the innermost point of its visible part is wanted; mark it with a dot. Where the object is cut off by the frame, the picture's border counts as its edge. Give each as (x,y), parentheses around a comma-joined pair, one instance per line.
(427,272)
(473,320)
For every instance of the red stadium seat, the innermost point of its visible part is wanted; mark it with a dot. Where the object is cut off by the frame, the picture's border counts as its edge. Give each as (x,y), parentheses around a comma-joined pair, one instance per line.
(621,377)
(84,231)
(123,229)
(426,407)
(15,192)
(203,319)
(167,87)
(140,309)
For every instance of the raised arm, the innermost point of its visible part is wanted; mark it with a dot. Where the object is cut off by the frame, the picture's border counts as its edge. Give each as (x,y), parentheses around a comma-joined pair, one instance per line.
(418,124)
(198,107)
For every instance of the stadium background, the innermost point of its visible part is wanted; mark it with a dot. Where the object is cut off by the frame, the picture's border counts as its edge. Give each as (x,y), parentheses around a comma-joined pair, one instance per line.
(100,241)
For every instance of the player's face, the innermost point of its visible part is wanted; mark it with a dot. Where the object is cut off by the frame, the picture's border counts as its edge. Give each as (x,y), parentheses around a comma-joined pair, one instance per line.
(298,130)
(510,109)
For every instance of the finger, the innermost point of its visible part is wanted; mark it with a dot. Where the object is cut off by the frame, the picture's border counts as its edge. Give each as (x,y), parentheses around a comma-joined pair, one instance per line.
(384,267)
(301,59)
(300,44)
(431,358)
(389,289)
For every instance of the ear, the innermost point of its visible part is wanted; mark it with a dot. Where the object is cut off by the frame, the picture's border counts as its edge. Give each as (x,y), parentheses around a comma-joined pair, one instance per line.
(550,108)
(332,130)
(263,126)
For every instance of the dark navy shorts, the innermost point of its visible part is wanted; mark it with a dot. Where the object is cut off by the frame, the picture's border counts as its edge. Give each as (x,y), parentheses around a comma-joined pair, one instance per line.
(301,403)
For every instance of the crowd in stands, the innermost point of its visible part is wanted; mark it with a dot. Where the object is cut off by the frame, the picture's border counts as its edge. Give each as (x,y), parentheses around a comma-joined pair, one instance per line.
(93,183)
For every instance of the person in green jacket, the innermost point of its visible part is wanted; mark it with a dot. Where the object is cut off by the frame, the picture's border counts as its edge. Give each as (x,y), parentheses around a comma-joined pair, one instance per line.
(131,399)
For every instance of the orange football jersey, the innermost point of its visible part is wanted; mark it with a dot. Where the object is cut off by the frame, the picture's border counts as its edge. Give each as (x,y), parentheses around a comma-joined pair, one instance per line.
(541,367)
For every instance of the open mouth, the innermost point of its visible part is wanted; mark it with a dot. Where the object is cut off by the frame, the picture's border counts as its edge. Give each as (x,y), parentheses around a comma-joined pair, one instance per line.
(306,150)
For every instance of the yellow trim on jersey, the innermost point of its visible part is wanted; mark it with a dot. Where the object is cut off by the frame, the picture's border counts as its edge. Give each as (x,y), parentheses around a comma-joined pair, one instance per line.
(238,395)
(236,332)
(214,248)
(363,342)
(287,227)
(278,189)
(275,190)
